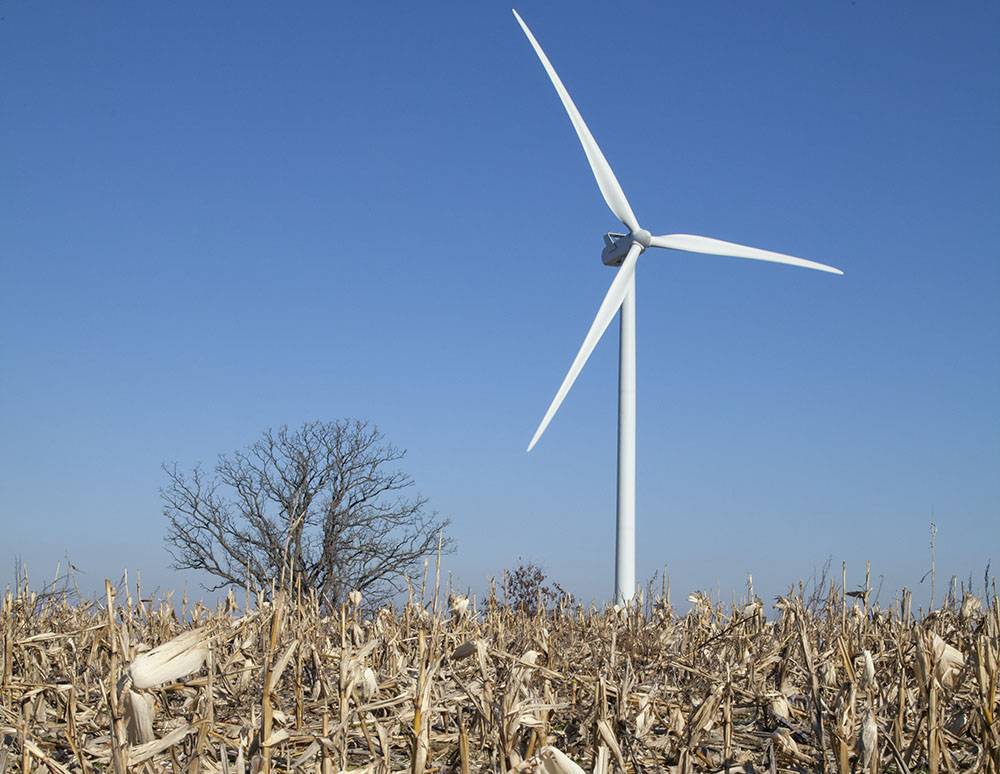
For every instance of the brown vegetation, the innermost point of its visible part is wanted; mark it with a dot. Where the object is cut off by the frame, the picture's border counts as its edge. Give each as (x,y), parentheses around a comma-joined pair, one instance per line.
(838,686)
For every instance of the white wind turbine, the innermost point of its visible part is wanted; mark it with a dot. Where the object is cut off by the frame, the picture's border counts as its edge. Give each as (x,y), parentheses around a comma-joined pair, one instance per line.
(623,250)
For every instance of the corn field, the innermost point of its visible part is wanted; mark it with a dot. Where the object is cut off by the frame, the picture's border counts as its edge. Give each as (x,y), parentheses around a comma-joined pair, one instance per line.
(838,685)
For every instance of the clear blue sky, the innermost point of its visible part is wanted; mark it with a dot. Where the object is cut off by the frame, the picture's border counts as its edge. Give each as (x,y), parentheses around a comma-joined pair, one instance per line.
(217,218)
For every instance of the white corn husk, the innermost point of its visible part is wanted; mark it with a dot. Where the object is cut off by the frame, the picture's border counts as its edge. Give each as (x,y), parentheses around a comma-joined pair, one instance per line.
(522,671)
(644,720)
(369,686)
(139,711)
(170,661)
(355,597)
(554,761)
(869,670)
(948,662)
(780,707)
(971,605)
(784,741)
(677,720)
(828,671)
(867,740)
(279,717)
(460,606)
(549,760)
(608,736)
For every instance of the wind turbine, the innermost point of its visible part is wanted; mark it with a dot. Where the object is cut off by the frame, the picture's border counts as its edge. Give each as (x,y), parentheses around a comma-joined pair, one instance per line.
(622,250)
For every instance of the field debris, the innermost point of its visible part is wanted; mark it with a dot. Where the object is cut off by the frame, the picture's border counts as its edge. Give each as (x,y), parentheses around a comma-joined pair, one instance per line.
(834,684)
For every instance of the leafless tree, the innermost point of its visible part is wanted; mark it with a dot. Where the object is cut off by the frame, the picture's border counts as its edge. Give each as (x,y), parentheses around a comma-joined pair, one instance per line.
(324,504)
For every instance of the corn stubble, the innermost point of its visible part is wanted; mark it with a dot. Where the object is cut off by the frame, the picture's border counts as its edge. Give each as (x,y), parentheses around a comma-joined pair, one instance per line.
(841,687)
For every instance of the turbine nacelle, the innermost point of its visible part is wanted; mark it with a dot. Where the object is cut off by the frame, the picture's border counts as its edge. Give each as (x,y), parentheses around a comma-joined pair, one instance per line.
(616,248)
(617,245)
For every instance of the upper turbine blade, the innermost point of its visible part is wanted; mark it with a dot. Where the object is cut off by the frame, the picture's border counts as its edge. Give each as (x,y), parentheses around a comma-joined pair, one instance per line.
(606,179)
(700,244)
(613,300)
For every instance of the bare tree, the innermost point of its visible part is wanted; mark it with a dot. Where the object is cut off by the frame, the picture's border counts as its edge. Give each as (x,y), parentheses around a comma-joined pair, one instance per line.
(324,502)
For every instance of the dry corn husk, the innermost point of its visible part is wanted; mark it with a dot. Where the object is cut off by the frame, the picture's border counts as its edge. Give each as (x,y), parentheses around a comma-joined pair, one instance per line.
(828,672)
(971,606)
(139,713)
(460,606)
(677,720)
(948,662)
(555,762)
(369,686)
(869,670)
(170,661)
(779,706)
(784,742)
(608,735)
(645,719)
(867,740)
(550,760)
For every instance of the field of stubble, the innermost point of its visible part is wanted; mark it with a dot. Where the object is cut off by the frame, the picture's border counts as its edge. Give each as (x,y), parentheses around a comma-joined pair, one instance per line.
(834,684)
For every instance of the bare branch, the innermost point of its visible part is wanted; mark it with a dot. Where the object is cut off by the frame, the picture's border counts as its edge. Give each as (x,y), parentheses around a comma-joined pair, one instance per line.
(329,491)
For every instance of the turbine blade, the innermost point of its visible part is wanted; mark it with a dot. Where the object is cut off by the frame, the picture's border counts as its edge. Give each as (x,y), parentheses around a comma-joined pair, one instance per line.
(700,244)
(613,300)
(606,179)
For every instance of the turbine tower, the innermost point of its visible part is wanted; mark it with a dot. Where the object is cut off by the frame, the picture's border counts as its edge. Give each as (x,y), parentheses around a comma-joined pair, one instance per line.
(623,250)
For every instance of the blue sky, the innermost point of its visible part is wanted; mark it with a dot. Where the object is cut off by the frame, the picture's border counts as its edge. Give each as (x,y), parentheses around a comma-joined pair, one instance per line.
(219,218)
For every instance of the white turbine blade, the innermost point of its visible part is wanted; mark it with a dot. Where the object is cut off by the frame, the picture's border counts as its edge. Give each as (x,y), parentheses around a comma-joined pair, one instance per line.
(707,245)
(606,179)
(613,300)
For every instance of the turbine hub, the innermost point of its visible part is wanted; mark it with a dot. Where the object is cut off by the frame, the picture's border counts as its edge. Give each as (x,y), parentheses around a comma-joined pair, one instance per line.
(616,246)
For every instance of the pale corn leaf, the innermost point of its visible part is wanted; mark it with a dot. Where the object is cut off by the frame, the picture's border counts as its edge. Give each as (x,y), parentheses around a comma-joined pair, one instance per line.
(277,737)
(281,663)
(144,752)
(608,735)
(464,650)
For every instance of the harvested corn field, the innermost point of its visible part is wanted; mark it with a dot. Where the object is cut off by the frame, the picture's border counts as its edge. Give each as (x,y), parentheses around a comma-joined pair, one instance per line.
(835,685)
